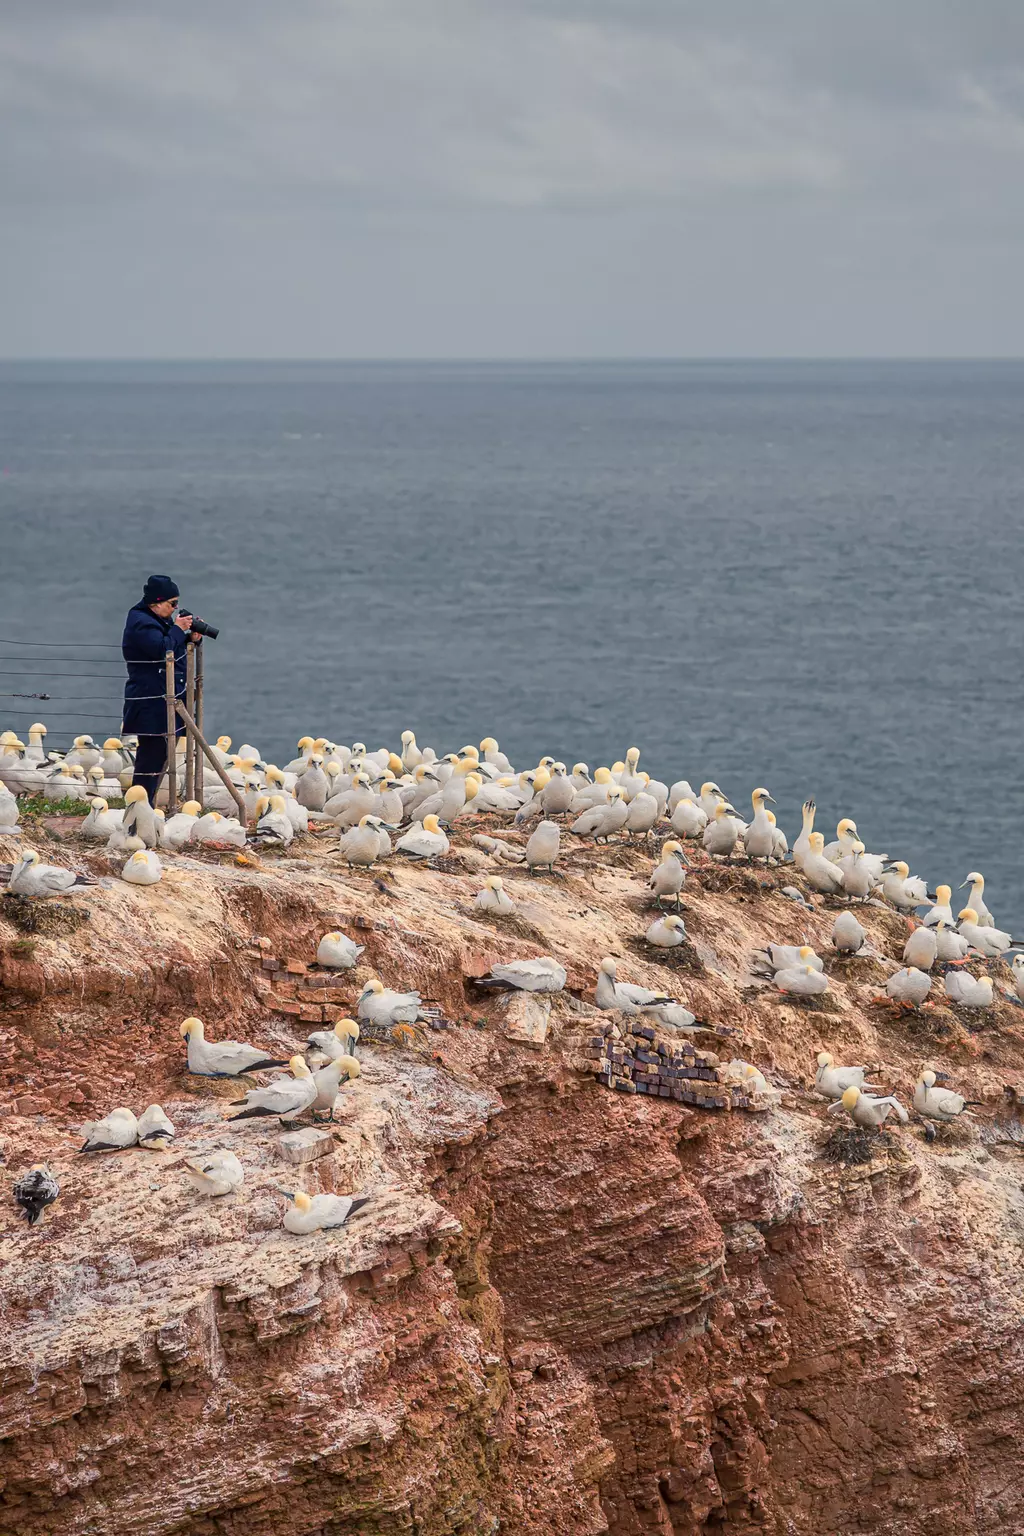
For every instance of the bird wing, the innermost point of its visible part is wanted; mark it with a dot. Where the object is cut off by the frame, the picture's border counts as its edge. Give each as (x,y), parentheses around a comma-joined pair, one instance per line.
(897,1106)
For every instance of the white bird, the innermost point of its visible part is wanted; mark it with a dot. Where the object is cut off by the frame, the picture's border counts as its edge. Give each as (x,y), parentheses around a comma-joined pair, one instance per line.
(120,1129)
(66,784)
(722,831)
(990,942)
(669,877)
(296,813)
(35,752)
(688,819)
(543,847)
(497,759)
(940,1104)
(711,798)
(215,1173)
(554,799)
(325,1045)
(641,815)
(223,1058)
(84,754)
(143,868)
(1017,967)
(745,1075)
(681,790)
(361,845)
(506,852)
(759,838)
(100,823)
(941,911)
(426,841)
(494,898)
(10,814)
(858,875)
(328,1082)
(801,981)
(820,873)
(780,842)
(847,934)
(787,957)
(595,793)
(904,890)
(602,820)
(950,947)
(311,786)
(541,974)
(283,1099)
(625,996)
(921,949)
(976,899)
(909,986)
(176,832)
(139,819)
(35,880)
(320,1213)
(273,825)
(802,845)
(380,1005)
(155,1130)
(666,932)
(967,990)
(338,952)
(831,1082)
(869,1112)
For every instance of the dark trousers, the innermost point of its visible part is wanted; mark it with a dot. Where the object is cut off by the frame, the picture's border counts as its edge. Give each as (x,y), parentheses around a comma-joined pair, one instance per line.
(150,762)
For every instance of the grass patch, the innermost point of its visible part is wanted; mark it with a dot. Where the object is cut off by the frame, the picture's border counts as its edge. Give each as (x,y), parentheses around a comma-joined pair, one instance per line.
(35,807)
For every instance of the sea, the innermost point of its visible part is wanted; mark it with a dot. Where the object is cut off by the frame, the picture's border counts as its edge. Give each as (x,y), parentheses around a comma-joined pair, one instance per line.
(801,575)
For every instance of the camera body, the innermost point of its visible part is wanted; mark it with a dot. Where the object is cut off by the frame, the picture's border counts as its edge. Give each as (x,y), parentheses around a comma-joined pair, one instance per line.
(200,626)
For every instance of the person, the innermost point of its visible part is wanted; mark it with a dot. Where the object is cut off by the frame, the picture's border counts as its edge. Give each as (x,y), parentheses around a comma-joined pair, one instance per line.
(150,631)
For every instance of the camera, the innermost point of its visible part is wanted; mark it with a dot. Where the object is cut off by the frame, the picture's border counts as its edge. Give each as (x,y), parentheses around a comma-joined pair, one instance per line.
(200,626)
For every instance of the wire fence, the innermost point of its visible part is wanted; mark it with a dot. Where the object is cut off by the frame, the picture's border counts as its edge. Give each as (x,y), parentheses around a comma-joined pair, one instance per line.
(26,667)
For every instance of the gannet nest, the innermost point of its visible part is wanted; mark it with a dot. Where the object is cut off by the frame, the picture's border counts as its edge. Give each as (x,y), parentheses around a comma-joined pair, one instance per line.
(851,1144)
(681,957)
(49,917)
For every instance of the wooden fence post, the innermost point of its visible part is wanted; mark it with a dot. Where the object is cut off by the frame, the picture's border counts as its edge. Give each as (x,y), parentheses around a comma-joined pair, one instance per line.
(197,715)
(190,700)
(172,735)
(232,789)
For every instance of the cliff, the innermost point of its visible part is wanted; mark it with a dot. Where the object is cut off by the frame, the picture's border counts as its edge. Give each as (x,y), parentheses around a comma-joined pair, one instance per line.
(566,1309)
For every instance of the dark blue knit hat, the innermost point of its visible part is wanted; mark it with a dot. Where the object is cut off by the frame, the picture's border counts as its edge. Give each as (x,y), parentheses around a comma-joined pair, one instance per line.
(158,589)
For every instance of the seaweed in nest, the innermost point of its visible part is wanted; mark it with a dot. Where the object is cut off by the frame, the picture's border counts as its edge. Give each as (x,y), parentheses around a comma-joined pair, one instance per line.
(681,957)
(50,917)
(823,1003)
(851,1144)
(732,879)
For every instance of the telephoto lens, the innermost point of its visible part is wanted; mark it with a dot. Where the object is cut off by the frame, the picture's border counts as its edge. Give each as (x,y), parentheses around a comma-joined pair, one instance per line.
(199,625)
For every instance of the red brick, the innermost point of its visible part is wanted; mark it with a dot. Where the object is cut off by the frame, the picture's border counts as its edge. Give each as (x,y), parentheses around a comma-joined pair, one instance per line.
(296,967)
(286,1005)
(311,1013)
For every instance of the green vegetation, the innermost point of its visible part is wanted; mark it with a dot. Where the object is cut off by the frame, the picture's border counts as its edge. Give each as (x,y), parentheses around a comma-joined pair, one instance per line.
(32,807)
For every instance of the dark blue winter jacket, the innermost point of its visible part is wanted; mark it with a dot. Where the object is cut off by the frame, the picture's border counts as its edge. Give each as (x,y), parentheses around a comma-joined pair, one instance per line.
(146,640)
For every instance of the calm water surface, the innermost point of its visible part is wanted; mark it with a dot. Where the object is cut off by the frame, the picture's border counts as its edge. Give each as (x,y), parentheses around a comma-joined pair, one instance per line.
(799,575)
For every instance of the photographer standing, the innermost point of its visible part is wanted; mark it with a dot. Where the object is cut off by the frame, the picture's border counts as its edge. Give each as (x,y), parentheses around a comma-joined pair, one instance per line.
(150,631)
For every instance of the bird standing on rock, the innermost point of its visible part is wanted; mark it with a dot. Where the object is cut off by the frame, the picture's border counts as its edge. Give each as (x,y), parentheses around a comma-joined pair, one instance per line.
(328,1079)
(847,934)
(908,987)
(543,848)
(667,881)
(325,1045)
(34,1191)
(283,1099)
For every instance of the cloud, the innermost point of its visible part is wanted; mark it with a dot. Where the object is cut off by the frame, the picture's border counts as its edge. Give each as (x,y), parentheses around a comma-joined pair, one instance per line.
(355,121)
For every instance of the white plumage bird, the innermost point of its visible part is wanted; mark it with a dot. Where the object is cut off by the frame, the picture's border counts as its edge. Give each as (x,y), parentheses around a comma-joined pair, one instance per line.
(215,1173)
(31,878)
(223,1058)
(338,952)
(320,1213)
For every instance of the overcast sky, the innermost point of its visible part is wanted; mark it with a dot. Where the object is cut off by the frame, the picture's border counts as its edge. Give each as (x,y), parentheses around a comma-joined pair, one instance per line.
(401,178)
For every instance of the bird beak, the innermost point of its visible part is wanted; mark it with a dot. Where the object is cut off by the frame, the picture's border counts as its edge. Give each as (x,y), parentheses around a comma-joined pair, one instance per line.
(772,799)
(963,883)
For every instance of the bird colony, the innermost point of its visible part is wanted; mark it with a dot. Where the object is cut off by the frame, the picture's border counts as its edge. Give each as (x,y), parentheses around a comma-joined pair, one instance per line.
(384,806)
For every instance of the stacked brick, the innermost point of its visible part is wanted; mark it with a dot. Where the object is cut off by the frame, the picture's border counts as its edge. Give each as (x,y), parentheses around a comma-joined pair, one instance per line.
(637,1061)
(303,992)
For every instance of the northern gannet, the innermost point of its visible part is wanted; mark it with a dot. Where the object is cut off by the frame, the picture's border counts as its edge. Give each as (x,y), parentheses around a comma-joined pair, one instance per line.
(120,1129)
(909,987)
(426,841)
(143,868)
(84,754)
(223,1058)
(641,814)
(951,948)
(846,837)
(820,873)
(361,845)
(379,1005)
(35,752)
(831,1082)
(904,890)
(65,785)
(273,825)
(337,951)
(312,784)
(494,898)
(625,996)
(666,932)
(543,847)
(759,838)
(283,1099)
(35,880)
(631,780)
(668,878)
(539,974)
(783,957)
(596,793)
(101,822)
(858,875)
(139,819)
(9,813)
(554,799)
(34,1191)
(320,1213)
(328,1079)
(328,1044)
(581,776)
(411,754)
(688,819)
(847,934)
(976,900)
(942,1104)
(681,790)
(921,949)
(602,820)
(941,911)
(277,784)
(710,798)
(869,1112)
(215,1173)
(489,748)
(154,1129)
(176,832)
(801,981)
(990,942)
(967,990)
(803,843)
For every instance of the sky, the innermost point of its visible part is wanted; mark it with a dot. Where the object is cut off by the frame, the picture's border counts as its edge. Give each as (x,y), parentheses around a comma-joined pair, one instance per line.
(511,178)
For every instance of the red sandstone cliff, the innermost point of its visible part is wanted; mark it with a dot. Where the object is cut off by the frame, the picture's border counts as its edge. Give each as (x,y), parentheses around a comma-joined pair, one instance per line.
(566,1310)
